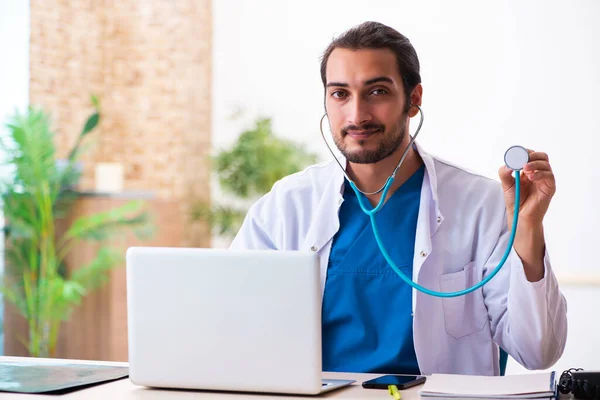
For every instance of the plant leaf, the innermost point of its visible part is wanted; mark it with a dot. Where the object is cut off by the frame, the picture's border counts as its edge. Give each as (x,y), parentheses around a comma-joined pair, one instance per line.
(101,225)
(34,150)
(225,220)
(93,275)
(95,101)
(90,124)
(259,159)
(14,296)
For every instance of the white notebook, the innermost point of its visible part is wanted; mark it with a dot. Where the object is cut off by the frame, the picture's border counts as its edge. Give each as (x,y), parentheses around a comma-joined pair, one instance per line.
(539,385)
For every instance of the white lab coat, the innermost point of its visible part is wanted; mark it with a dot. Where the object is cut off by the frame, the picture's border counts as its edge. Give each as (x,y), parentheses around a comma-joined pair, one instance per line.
(461,236)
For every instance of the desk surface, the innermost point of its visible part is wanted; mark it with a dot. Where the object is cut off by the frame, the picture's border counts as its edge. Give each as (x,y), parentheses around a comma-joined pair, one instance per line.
(124,389)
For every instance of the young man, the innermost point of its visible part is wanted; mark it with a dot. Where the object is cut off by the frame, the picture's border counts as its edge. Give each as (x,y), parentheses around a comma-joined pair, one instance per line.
(444,227)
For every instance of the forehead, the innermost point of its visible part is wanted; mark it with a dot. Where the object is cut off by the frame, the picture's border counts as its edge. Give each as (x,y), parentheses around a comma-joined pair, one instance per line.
(356,66)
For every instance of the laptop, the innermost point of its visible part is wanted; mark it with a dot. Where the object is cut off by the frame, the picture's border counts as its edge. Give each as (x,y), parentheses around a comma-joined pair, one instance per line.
(225,320)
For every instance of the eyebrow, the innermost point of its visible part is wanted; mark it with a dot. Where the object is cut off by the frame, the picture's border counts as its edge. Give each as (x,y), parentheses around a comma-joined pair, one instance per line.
(368,82)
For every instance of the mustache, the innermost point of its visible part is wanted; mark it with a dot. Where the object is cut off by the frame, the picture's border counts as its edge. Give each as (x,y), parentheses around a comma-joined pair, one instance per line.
(365,127)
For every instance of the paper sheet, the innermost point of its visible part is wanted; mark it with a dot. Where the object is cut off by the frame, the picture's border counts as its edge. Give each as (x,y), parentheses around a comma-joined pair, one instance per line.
(529,385)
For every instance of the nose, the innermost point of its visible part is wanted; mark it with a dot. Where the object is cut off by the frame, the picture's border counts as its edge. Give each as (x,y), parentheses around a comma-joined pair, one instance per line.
(359,112)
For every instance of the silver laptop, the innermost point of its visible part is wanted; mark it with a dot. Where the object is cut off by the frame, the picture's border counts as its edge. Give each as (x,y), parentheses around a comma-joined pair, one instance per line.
(227,320)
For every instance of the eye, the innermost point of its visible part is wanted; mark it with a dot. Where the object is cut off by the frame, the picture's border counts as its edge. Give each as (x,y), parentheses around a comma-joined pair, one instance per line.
(338,94)
(379,91)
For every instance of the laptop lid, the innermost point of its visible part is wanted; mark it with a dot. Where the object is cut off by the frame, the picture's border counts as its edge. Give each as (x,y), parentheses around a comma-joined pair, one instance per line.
(237,320)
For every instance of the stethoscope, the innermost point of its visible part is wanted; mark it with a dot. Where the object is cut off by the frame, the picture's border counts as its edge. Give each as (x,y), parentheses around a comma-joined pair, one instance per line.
(515,158)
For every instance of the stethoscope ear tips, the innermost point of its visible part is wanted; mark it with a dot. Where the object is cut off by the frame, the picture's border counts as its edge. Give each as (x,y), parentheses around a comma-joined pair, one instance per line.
(516,157)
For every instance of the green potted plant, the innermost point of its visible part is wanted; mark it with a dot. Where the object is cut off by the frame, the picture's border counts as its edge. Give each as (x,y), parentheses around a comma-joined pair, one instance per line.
(248,170)
(39,192)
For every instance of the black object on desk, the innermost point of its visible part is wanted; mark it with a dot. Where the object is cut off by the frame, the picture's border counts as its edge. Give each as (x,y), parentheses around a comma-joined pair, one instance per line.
(55,378)
(583,384)
(400,381)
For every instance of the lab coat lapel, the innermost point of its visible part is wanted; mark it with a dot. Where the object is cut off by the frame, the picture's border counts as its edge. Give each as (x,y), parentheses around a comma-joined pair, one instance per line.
(326,217)
(428,220)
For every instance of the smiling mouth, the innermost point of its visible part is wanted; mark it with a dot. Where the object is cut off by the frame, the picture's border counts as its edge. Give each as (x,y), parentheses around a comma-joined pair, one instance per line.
(362,135)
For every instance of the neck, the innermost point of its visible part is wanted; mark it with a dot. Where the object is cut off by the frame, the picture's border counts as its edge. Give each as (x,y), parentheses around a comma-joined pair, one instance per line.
(371,177)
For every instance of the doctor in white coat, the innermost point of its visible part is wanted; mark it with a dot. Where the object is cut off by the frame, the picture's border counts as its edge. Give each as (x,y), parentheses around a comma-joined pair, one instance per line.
(446,227)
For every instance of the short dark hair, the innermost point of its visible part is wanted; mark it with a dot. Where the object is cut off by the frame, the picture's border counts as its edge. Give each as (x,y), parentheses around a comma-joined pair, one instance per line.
(375,35)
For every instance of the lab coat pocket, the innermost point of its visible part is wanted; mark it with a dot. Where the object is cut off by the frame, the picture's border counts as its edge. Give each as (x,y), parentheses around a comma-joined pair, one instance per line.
(463,315)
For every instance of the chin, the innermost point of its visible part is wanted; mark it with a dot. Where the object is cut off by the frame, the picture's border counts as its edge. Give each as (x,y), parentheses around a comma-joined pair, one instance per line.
(361,156)
(358,146)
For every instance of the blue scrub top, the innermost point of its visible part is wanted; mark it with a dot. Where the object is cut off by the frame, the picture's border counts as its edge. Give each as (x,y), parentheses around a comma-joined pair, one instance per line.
(367,308)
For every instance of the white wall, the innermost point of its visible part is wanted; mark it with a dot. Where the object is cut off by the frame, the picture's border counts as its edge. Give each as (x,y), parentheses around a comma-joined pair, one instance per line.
(14,80)
(14,53)
(494,74)
(14,62)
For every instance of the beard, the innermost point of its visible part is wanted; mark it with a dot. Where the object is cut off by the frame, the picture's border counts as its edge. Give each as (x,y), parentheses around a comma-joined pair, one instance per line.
(388,143)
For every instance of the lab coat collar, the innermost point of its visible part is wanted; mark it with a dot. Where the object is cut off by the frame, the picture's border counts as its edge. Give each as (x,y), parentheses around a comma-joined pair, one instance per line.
(338,181)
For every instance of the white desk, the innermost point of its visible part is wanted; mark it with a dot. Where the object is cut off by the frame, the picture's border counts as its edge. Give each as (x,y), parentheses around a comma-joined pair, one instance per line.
(124,389)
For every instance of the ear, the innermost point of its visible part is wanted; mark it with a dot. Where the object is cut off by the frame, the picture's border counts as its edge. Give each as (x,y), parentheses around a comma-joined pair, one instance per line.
(415,99)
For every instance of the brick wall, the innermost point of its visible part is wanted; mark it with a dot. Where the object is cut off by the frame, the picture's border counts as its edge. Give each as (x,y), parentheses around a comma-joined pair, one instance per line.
(149,62)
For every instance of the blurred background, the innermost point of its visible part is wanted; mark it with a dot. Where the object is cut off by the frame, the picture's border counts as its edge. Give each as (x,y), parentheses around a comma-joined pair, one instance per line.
(159,123)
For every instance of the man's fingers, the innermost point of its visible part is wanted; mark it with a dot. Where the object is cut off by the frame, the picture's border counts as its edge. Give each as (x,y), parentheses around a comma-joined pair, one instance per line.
(538,166)
(537,156)
(541,175)
(506,177)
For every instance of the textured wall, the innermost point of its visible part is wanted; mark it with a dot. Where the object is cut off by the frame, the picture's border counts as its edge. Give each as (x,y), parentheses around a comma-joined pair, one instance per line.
(150,65)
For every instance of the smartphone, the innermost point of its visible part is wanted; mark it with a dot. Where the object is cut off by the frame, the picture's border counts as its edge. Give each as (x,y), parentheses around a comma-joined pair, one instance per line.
(401,381)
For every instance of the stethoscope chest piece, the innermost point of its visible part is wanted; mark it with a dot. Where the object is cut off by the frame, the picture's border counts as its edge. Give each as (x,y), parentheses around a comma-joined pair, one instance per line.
(516,157)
